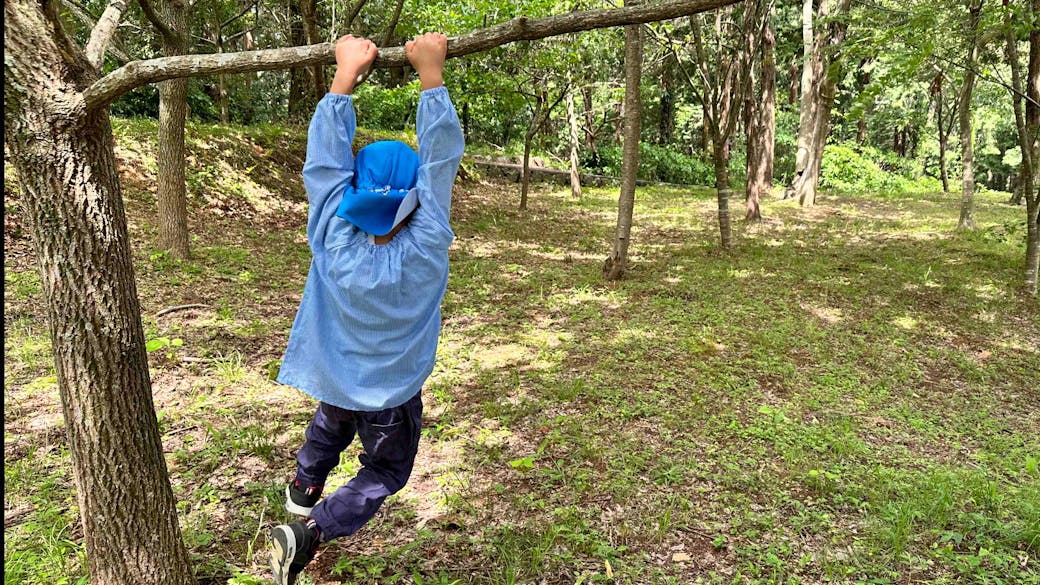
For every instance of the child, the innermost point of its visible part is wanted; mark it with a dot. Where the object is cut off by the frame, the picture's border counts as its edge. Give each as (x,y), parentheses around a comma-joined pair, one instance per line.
(365,337)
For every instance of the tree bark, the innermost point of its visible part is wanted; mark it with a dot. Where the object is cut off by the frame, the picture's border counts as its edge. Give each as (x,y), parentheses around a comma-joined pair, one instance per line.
(309,12)
(64,157)
(522,28)
(171,189)
(720,155)
(299,85)
(590,122)
(966,221)
(1017,93)
(572,139)
(806,103)
(616,265)
(761,124)
(821,100)
(1031,184)
(666,119)
(103,32)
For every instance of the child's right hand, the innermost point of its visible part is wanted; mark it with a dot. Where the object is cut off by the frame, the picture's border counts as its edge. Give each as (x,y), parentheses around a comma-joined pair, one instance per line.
(426,53)
(354,56)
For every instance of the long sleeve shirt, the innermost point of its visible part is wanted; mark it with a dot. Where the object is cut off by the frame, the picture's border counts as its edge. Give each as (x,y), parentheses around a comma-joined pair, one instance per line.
(365,336)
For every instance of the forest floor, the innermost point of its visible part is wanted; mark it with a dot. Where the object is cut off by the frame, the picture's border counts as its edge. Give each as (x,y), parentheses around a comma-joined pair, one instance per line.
(849,396)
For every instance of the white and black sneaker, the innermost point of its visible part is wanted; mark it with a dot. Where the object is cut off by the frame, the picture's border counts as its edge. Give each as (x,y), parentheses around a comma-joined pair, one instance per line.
(292,547)
(300,499)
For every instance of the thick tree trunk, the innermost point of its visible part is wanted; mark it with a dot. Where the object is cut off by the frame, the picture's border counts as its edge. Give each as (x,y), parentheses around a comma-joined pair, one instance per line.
(171,188)
(821,100)
(572,139)
(616,265)
(966,221)
(66,166)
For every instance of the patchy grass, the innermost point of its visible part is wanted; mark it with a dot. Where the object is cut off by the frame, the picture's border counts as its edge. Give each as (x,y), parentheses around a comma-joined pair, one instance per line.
(849,396)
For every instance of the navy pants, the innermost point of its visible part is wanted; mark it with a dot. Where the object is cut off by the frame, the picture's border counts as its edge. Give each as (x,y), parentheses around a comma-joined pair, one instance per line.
(390,438)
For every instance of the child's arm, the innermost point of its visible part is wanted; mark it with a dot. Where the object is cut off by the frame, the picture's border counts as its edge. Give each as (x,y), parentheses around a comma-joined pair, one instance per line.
(330,161)
(437,126)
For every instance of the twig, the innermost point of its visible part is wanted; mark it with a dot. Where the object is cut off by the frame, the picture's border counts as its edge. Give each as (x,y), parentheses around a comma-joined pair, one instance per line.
(169,310)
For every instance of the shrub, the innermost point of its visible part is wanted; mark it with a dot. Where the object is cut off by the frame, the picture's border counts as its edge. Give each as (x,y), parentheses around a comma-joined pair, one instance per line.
(849,167)
(656,163)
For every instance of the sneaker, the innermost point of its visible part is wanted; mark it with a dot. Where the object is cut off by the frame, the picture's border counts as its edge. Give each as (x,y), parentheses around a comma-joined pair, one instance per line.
(300,500)
(292,547)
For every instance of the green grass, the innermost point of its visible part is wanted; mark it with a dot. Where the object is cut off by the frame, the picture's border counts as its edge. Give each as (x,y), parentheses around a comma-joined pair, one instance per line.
(849,396)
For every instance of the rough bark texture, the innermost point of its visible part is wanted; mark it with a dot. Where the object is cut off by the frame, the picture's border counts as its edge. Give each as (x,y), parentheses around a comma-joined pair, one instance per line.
(616,265)
(966,221)
(171,190)
(1032,183)
(521,28)
(572,138)
(309,11)
(821,100)
(761,126)
(103,31)
(1018,91)
(64,157)
(806,103)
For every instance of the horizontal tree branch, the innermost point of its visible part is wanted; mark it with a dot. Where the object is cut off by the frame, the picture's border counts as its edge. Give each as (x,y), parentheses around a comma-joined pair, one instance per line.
(103,31)
(138,73)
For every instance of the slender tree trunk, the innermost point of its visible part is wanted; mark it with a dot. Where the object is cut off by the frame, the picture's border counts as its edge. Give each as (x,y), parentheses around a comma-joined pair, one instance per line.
(793,87)
(943,127)
(64,157)
(572,138)
(299,87)
(967,216)
(171,189)
(590,122)
(1011,54)
(720,156)
(309,14)
(761,126)
(862,81)
(225,115)
(807,103)
(1031,184)
(616,265)
(666,120)
(525,176)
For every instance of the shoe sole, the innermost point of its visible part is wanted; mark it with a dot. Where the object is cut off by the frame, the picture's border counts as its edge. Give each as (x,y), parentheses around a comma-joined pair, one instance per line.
(283,549)
(294,508)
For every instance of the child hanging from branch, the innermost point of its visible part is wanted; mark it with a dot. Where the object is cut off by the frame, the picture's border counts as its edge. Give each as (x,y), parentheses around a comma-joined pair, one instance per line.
(365,337)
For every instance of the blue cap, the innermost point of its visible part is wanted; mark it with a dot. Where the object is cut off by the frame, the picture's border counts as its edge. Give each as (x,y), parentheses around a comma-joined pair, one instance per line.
(382,193)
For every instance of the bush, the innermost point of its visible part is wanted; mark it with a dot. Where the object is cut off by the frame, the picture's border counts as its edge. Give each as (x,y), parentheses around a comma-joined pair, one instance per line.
(656,163)
(849,167)
(387,108)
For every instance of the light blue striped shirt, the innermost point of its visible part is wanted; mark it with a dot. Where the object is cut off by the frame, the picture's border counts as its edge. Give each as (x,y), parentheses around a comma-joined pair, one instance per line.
(365,337)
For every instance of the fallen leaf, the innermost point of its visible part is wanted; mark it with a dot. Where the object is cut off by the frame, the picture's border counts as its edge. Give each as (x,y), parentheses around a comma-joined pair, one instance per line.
(680,558)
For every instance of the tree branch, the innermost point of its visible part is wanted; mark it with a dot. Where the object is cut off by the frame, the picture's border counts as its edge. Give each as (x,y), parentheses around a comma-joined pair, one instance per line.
(102,33)
(149,13)
(224,24)
(137,73)
(90,21)
(389,34)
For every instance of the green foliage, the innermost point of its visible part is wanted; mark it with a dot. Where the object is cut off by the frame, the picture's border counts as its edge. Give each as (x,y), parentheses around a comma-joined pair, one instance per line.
(391,108)
(852,168)
(656,163)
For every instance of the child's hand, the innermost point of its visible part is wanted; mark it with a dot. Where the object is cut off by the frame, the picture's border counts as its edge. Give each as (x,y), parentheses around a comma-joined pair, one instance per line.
(426,54)
(354,56)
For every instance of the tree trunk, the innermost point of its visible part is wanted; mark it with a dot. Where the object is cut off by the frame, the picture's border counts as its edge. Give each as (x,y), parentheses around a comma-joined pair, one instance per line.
(761,126)
(590,122)
(222,94)
(807,103)
(821,100)
(299,86)
(943,172)
(721,158)
(666,120)
(1031,184)
(967,215)
(171,188)
(793,88)
(525,176)
(862,81)
(1011,54)
(616,265)
(309,14)
(572,137)
(64,157)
